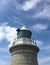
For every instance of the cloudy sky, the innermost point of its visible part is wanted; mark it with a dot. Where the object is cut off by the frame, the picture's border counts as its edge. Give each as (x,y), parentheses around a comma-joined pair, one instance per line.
(35,14)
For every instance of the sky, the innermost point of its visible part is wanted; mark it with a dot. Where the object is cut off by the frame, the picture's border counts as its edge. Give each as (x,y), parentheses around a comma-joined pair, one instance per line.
(35,14)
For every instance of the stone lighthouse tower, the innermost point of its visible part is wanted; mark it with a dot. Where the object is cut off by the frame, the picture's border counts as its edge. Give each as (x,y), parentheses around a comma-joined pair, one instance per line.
(24,50)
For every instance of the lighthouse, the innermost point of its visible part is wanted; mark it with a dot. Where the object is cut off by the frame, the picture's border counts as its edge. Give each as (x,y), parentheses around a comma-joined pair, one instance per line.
(24,49)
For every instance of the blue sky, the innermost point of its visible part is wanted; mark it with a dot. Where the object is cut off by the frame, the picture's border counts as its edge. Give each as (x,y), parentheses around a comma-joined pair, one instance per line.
(35,14)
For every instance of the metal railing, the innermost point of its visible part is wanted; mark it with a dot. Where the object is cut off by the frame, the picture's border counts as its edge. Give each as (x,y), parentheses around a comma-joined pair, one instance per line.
(25,40)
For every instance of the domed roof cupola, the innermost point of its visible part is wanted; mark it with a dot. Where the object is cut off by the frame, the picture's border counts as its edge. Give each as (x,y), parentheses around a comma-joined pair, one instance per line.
(23,32)
(24,28)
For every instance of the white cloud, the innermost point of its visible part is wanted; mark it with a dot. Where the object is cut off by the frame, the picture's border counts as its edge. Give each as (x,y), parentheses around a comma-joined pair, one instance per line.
(39,27)
(11,33)
(27,5)
(7,32)
(42,12)
(39,43)
(45,13)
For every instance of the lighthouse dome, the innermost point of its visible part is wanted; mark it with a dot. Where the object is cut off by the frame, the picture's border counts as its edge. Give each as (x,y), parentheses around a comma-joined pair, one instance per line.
(24,28)
(24,32)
